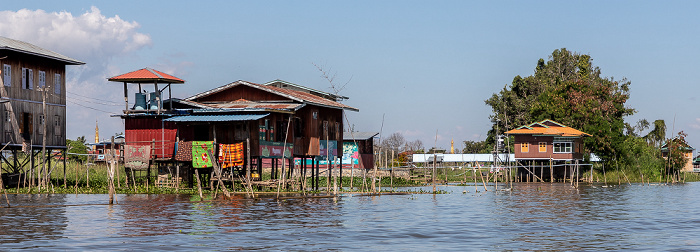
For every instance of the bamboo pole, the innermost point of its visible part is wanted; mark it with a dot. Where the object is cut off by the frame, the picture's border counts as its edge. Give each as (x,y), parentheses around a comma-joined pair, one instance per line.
(281,181)
(217,170)
(391,172)
(199,184)
(2,186)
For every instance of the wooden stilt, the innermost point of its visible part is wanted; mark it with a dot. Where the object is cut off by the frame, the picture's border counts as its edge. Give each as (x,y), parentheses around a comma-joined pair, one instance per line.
(199,184)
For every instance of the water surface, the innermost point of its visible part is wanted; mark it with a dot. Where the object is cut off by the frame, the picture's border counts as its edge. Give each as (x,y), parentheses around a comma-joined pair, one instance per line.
(537,217)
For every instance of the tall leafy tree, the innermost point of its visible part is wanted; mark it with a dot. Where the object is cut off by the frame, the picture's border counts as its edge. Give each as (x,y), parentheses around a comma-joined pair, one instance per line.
(569,89)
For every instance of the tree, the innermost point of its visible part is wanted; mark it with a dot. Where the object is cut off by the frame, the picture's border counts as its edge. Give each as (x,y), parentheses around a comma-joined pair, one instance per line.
(78,146)
(676,148)
(414,146)
(394,142)
(568,89)
(656,136)
(477,147)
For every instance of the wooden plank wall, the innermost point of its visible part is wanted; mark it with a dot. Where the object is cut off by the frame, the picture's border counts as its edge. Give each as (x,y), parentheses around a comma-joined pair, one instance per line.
(29,101)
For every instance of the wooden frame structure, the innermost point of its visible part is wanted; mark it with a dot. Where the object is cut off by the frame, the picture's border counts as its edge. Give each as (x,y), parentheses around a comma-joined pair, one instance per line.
(33,107)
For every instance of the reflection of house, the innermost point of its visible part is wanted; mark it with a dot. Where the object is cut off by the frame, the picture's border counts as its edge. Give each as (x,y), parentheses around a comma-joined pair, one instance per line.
(547,141)
(30,73)
(684,147)
(358,149)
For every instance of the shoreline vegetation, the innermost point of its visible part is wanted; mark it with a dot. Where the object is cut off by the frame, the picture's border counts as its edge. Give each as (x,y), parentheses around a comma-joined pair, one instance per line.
(77,182)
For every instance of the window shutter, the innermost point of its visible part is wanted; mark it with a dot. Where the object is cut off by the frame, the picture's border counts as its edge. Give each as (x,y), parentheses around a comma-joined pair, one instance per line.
(7,74)
(24,78)
(57,83)
(31,78)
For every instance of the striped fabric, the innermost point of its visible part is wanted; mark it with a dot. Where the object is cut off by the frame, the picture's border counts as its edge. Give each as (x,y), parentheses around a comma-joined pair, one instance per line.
(200,154)
(231,155)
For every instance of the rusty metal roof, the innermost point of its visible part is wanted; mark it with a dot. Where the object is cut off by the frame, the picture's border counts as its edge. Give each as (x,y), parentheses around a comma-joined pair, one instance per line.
(215,118)
(293,95)
(147,75)
(24,47)
(282,84)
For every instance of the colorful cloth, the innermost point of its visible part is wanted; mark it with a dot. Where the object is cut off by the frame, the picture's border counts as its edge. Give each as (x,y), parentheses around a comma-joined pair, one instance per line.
(200,154)
(137,156)
(184,151)
(231,155)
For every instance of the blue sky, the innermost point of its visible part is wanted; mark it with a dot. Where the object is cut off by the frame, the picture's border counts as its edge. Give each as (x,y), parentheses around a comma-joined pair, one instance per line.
(424,66)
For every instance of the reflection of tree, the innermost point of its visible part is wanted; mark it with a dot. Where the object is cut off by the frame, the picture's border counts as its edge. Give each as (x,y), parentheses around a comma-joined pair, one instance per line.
(34,220)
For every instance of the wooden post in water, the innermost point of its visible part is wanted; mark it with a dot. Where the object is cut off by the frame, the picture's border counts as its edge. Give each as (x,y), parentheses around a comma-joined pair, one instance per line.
(111,174)
(391,172)
(551,171)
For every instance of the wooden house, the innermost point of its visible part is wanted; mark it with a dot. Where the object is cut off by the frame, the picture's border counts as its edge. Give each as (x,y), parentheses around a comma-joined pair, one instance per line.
(279,123)
(684,147)
(549,144)
(33,92)
(276,123)
(358,149)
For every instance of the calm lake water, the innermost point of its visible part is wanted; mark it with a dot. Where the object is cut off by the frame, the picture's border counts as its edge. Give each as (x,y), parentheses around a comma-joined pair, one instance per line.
(531,217)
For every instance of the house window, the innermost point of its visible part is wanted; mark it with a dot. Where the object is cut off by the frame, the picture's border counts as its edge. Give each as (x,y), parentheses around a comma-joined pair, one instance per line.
(42,79)
(27,78)
(40,130)
(563,147)
(7,75)
(57,83)
(524,147)
(543,147)
(57,129)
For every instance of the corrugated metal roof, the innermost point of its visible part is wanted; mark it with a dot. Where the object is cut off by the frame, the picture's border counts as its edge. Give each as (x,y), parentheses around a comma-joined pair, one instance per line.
(359,135)
(294,95)
(254,105)
(305,88)
(147,75)
(215,118)
(24,47)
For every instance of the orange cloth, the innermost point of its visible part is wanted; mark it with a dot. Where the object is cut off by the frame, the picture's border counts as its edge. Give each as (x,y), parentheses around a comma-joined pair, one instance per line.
(231,155)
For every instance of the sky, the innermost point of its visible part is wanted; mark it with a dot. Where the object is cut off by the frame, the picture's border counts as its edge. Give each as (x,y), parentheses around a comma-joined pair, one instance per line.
(420,68)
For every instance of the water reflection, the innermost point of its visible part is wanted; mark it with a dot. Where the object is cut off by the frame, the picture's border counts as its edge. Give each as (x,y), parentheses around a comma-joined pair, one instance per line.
(541,217)
(35,220)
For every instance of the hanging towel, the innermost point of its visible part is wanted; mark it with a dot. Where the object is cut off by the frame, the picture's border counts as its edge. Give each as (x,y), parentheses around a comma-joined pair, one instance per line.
(200,153)
(231,155)
(137,156)
(184,151)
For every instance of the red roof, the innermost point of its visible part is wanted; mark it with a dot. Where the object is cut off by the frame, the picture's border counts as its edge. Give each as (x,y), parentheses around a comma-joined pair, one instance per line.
(549,128)
(146,75)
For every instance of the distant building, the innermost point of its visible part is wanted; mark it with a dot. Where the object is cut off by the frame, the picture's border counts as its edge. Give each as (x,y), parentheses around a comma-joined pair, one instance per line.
(548,144)
(685,148)
(547,140)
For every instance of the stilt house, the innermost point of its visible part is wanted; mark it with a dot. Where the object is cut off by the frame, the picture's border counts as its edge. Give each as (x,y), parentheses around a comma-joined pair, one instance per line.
(32,97)
(275,120)
(547,144)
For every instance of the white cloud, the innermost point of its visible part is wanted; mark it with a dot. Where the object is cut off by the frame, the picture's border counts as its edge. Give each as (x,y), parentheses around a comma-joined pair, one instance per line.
(696,125)
(90,37)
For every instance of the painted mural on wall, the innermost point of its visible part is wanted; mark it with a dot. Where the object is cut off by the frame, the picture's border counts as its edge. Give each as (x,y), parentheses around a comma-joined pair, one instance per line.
(350,154)
(275,149)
